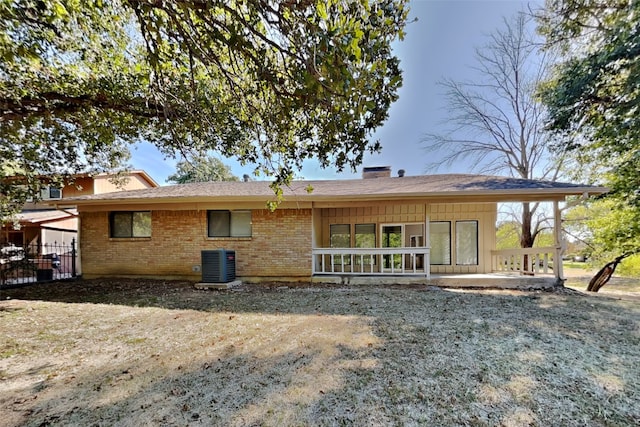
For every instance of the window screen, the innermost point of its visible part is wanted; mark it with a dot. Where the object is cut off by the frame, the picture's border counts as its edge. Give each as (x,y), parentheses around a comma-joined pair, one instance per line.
(241,223)
(340,235)
(219,223)
(440,236)
(55,193)
(467,242)
(229,223)
(365,238)
(365,235)
(130,224)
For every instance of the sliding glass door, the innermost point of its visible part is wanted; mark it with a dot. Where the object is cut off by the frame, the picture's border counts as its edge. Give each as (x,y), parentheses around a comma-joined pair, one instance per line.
(392,237)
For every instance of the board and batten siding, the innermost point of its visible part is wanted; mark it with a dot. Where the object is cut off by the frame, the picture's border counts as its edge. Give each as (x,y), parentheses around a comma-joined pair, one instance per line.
(416,213)
(381,214)
(486,215)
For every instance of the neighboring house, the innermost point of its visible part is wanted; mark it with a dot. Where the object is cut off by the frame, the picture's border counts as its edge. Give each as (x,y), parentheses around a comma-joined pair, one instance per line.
(414,226)
(40,224)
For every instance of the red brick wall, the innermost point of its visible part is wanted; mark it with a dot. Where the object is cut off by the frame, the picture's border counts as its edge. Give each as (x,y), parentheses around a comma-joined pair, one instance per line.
(280,245)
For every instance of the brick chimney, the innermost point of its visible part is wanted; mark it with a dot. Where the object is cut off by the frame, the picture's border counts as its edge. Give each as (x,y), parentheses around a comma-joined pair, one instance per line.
(376,172)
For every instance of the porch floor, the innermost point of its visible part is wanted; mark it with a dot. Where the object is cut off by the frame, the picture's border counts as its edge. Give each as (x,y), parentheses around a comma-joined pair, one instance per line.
(489,280)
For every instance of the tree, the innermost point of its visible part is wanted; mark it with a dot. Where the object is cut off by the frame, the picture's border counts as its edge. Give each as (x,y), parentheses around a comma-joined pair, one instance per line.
(201,169)
(617,237)
(594,94)
(507,236)
(270,83)
(497,121)
(507,233)
(593,99)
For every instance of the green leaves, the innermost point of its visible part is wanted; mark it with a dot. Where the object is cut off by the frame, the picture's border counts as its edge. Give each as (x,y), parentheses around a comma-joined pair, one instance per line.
(201,168)
(593,101)
(270,83)
(322,11)
(595,96)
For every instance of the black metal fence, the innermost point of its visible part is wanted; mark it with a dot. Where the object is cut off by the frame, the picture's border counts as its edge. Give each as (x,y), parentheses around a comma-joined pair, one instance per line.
(37,263)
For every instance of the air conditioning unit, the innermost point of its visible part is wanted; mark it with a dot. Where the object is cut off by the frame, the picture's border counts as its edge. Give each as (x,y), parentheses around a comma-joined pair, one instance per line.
(218,266)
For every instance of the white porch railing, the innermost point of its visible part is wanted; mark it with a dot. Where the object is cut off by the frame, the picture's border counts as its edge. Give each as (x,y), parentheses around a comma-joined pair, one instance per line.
(525,260)
(371,261)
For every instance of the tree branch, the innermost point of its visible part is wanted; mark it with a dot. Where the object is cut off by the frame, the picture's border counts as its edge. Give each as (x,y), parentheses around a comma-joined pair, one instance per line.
(52,102)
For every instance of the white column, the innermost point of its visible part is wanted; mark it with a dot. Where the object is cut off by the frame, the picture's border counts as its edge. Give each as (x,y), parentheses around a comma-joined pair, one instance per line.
(559,241)
(427,241)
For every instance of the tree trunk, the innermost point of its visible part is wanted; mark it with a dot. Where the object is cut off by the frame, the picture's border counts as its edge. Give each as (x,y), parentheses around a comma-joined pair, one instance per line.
(602,277)
(526,237)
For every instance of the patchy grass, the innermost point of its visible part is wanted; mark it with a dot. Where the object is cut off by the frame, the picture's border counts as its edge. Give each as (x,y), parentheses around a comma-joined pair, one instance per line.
(162,353)
(618,285)
(576,265)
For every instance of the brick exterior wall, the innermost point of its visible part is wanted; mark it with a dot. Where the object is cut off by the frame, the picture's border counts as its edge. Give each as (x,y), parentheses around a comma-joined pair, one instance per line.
(280,245)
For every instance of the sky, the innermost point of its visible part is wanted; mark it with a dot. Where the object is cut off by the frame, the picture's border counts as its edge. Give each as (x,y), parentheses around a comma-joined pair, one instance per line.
(440,44)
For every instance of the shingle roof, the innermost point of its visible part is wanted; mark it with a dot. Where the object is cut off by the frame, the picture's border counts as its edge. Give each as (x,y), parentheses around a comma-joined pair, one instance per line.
(40,216)
(424,186)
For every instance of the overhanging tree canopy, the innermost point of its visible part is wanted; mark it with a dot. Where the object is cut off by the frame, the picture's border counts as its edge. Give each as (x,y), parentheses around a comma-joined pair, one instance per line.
(271,83)
(593,99)
(595,94)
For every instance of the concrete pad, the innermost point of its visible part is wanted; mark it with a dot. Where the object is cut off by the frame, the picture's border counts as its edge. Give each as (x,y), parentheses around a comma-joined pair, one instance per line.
(218,286)
(491,280)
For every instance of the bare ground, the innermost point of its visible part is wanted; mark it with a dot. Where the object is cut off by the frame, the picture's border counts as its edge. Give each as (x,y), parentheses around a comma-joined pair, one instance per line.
(617,287)
(135,353)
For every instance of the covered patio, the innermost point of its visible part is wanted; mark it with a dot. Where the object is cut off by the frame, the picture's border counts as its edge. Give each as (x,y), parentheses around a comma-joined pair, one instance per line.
(441,233)
(362,262)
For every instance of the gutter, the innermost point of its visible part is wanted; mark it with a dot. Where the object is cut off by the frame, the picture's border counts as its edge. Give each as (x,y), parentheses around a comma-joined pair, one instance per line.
(508,195)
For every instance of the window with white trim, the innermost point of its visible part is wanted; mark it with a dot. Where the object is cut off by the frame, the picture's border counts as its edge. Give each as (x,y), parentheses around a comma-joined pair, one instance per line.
(467,242)
(51,193)
(440,237)
(225,223)
(365,235)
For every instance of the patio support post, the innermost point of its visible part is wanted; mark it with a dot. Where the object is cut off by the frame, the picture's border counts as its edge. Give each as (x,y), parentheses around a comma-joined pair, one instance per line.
(427,241)
(73,258)
(559,241)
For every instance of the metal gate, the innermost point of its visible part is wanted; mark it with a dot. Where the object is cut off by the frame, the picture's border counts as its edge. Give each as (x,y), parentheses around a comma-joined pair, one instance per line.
(37,263)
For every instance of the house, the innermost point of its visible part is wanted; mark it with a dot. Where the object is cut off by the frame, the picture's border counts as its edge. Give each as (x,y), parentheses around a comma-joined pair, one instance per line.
(39,224)
(413,226)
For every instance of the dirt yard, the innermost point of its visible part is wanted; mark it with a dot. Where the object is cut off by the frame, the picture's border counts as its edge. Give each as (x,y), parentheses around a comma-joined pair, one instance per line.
(132,353)
(617,287)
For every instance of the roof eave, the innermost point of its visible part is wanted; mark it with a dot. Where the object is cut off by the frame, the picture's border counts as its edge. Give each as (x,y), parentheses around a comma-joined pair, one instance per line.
(515,195)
